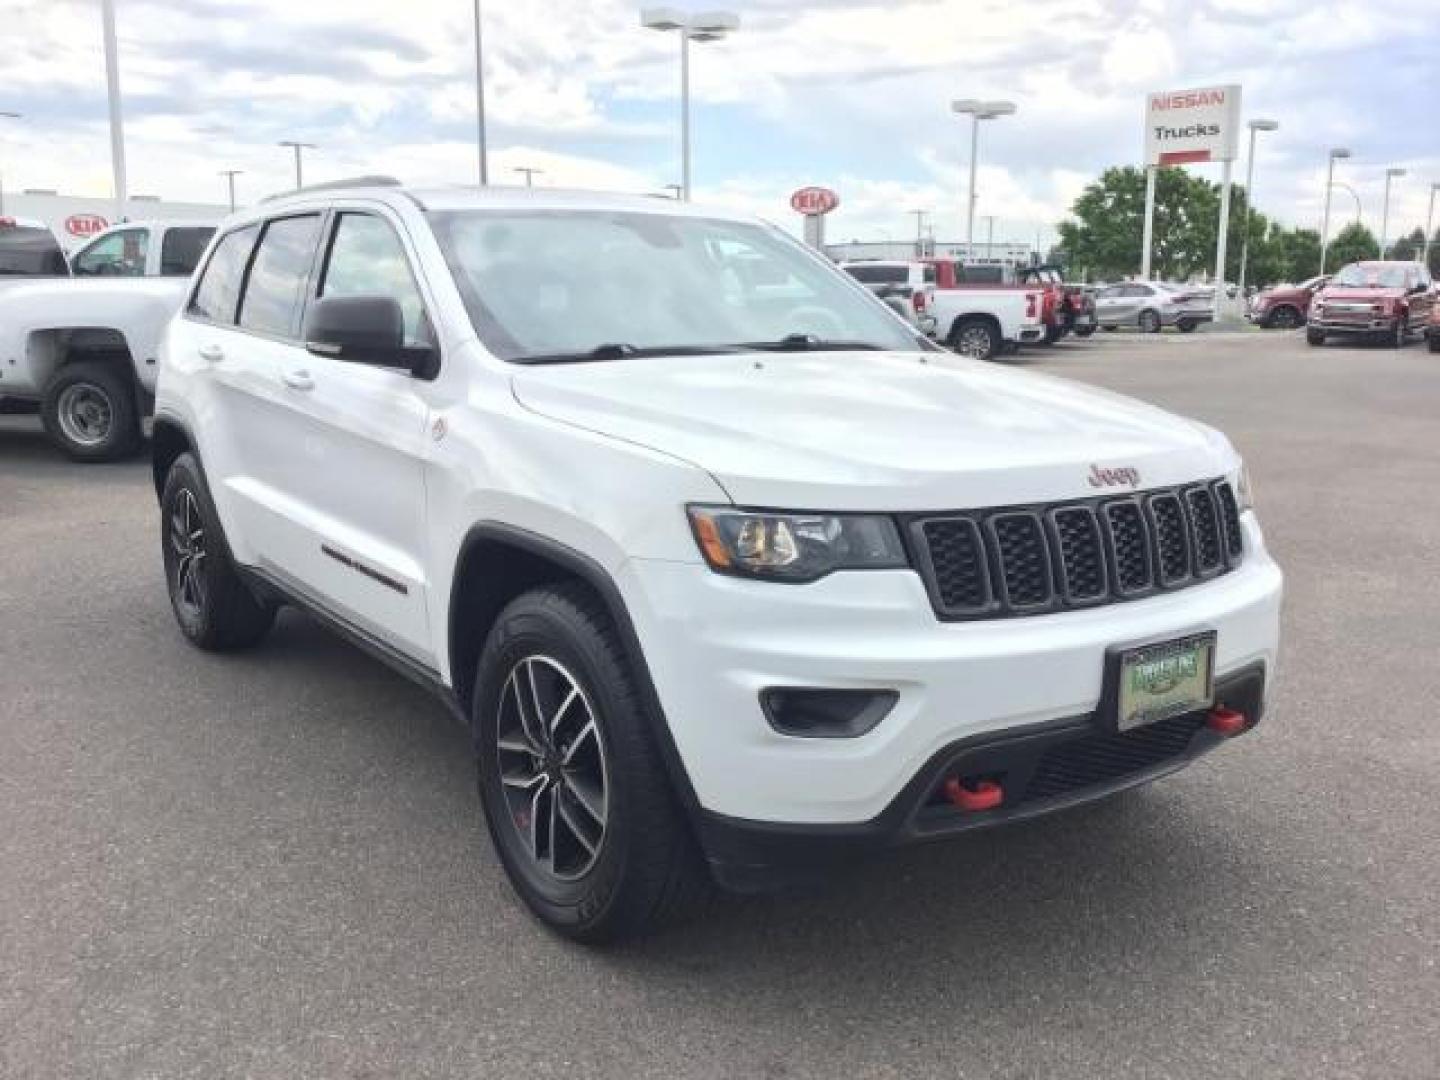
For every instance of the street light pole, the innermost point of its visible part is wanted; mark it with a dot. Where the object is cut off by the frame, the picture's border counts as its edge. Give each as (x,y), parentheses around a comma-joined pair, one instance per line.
(1430,224)
(707,26)
(1336,154)
(1256,126)
(989,237)
(977,111)
(1390,174)
(919,232)
(117,122)
(297,147)
(6,115)
(480,102)
(230,175)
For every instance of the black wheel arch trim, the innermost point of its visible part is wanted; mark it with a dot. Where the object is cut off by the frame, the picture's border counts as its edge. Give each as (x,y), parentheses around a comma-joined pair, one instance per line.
(595,575)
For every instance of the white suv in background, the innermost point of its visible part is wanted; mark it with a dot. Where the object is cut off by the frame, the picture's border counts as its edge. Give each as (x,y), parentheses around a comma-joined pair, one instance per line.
(727,580)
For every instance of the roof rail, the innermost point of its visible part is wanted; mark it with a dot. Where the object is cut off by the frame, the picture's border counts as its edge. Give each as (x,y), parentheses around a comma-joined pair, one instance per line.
(331,185)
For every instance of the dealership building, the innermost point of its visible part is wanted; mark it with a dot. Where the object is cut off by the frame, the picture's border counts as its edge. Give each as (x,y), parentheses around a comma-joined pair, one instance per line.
(75,217)
(998,253)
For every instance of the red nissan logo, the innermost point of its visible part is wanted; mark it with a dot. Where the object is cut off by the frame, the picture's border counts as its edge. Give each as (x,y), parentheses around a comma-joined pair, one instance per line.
(814,201)
(85,224)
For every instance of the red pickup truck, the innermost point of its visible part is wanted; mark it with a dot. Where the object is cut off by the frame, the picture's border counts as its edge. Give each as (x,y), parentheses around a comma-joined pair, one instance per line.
(1065,308)
(1384,300)
(1285,307)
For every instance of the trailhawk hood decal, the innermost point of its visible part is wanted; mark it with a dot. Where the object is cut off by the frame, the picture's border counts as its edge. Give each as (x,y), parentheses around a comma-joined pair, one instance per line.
(875,431)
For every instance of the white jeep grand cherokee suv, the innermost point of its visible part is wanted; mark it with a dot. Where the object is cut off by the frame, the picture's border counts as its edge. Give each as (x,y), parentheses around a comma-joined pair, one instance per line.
(727,581)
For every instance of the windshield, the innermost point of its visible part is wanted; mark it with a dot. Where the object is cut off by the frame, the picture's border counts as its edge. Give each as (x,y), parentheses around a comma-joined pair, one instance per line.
(30,252)
(547,284)
(1360,276)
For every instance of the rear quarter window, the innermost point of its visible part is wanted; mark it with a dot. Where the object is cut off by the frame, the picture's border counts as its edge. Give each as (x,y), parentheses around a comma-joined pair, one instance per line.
(181,249)
(218,294)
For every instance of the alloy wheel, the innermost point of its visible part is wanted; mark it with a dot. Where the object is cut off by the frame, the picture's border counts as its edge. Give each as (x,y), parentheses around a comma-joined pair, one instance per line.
(85,414)
(974,341)
(187,541)
(553,769)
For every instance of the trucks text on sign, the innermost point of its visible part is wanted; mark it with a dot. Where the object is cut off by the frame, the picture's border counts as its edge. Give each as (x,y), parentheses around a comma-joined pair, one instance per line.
(1192,125)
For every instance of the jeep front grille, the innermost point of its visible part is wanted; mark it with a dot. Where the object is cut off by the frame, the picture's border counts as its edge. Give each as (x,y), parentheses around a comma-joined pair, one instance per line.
(1034,559)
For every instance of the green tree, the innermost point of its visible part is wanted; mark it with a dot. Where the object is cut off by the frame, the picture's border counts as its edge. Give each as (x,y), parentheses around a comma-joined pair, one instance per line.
(1102,237)
(1407,248)
(1354,244)
(1299,253)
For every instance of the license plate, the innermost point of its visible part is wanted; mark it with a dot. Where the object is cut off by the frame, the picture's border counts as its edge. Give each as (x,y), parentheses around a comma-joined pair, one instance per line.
(1165,679)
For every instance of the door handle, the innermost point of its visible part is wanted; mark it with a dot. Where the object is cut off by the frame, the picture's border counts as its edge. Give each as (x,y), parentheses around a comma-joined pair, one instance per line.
(213,353)
(298,379)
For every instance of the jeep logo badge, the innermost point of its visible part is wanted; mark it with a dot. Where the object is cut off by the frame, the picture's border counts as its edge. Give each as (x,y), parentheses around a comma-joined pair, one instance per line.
(1125,477)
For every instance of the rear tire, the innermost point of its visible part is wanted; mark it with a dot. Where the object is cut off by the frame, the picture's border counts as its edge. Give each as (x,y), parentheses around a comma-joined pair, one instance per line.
(1149,322)
(1086,331)
(976,338)
(1315,337)
(614,857)
(1109,329)
(1435,341)
(1186,326)
(89,411)
(215,609)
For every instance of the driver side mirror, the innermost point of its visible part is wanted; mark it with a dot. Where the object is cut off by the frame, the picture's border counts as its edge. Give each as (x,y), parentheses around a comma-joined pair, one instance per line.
(364,330)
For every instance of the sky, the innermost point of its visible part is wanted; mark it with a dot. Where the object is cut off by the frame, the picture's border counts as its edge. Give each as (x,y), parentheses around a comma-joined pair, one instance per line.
(850,94)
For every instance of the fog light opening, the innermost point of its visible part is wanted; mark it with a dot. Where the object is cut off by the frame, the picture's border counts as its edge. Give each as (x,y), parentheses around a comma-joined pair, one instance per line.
(973,795)
(1226,721)
(825,714)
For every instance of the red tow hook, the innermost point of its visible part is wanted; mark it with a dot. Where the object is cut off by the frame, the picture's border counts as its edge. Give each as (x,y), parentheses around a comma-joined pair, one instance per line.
(985,795)
(1226,722)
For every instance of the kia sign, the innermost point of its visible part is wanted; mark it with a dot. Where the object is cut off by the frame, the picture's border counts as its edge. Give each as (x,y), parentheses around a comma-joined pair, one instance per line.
(814,201)
(83,225)
(1192,125)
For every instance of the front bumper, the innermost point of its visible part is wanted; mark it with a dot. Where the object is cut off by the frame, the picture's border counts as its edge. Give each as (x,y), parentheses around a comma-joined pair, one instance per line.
(1370,324)
(714,643)
(1043,768)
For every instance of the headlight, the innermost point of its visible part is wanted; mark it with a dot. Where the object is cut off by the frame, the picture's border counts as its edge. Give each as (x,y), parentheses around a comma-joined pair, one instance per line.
(1244,492)
(794,547)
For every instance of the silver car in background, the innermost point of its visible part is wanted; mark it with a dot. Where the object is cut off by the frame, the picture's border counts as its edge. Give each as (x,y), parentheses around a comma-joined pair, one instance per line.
(1150,305)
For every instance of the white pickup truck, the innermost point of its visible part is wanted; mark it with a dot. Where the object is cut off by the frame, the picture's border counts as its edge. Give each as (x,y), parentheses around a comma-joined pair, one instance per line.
(977,322)
(84,351)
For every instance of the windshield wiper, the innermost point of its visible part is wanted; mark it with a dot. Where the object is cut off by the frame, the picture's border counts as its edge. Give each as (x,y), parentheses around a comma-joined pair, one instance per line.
(812,343)
(620,350)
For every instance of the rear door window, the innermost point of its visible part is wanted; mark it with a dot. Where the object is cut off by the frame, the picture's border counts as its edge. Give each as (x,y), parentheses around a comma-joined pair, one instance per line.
(181,249)
(275,286)
(879,275)
(30,252)
(218,294)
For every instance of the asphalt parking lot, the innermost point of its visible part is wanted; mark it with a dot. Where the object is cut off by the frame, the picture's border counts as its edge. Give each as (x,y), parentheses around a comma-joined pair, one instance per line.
(272,865)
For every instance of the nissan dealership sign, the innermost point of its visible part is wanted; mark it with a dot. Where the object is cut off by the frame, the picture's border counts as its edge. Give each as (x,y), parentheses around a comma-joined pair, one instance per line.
(1183,126)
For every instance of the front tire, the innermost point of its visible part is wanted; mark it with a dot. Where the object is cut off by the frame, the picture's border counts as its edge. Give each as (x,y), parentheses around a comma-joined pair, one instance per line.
(1314,337)
(89,411)
(1186,326)
(215,609)
(1149,322)
(576,796)
(1283,317)
(1087,331)
(1435,340)
(1398,336)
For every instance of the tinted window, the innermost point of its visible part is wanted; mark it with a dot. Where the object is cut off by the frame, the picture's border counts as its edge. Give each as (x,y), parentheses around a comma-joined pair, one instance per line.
(879,275)
(276,285)
(120,254)
(219,290)
(181,249)
(27,252)
(367,259)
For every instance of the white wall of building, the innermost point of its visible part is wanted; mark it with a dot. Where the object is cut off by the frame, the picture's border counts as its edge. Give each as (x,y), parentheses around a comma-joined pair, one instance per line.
(76,217)
(1007,252)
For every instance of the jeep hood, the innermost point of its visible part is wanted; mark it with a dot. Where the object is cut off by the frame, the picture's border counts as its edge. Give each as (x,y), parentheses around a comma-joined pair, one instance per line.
(875,431)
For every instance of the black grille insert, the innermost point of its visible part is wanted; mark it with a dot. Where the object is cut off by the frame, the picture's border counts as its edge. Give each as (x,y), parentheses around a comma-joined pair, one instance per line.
(1106,757)
(1029,560)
